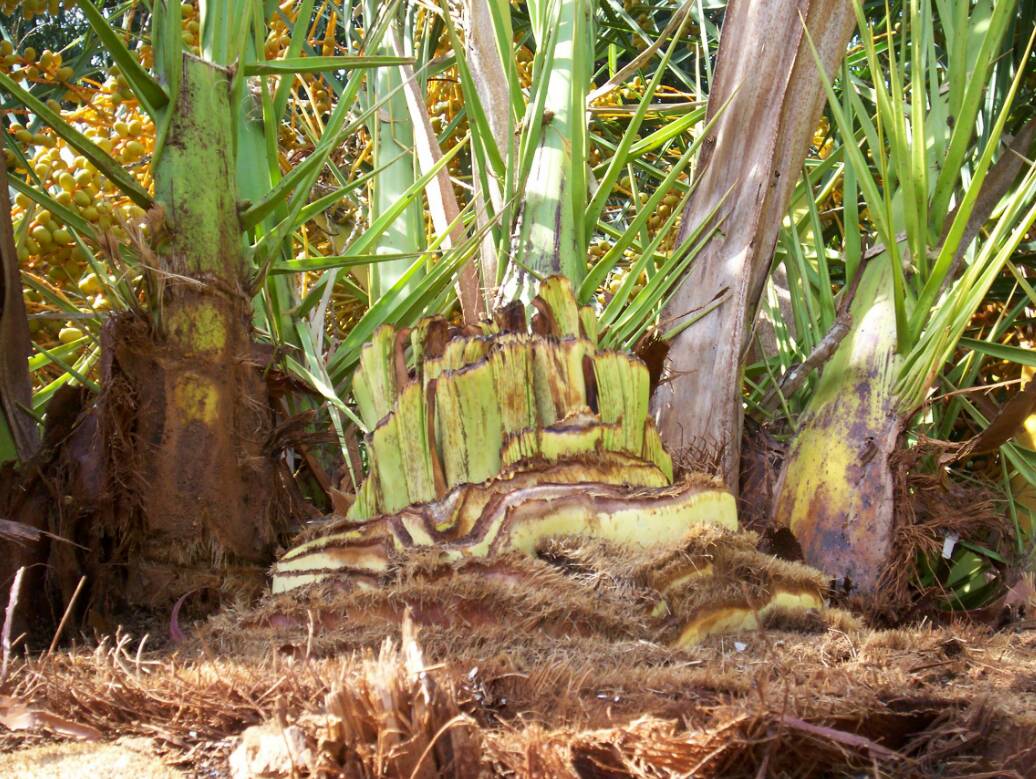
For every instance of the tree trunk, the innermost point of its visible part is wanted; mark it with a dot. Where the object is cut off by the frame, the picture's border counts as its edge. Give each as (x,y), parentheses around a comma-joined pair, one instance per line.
(19,435)
(755,154)
(835,492)
(188,414)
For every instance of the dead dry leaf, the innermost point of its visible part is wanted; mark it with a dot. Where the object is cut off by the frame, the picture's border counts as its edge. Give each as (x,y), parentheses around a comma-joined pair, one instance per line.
(15,715)
(1001,428)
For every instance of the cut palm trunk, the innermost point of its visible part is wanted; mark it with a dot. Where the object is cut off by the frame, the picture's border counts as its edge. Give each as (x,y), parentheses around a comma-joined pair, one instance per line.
(698,404)
(708,581)
(490,446)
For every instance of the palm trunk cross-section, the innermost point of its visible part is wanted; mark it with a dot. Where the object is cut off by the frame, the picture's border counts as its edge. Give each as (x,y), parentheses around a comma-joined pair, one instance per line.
(501,440)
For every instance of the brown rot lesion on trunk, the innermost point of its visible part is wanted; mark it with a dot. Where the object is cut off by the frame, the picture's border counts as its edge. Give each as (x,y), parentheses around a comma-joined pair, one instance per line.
(170,482)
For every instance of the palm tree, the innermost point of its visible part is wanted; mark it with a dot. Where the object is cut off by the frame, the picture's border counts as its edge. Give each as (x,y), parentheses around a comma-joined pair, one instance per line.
(201,476)
(955,197)
(185,398)
(590,233)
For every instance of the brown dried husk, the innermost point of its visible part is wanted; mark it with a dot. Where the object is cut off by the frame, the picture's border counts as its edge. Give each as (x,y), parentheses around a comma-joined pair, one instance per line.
(552,666)
(929,507)
(917,703)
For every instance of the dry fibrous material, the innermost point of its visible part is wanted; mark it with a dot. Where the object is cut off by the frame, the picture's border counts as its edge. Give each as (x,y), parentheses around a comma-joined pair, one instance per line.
(930,508)
(677,593)
(905,703)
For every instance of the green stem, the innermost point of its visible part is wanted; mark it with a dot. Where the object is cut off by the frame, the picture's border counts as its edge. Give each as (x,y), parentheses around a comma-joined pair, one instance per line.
(550,232)
(393,135)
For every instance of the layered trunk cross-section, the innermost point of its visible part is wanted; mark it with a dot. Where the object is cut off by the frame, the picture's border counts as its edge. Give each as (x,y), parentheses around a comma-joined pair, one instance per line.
(490,445)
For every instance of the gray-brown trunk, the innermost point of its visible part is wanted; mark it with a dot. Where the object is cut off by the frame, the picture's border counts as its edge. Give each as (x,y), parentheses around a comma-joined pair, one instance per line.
(15,343)
(755,153)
